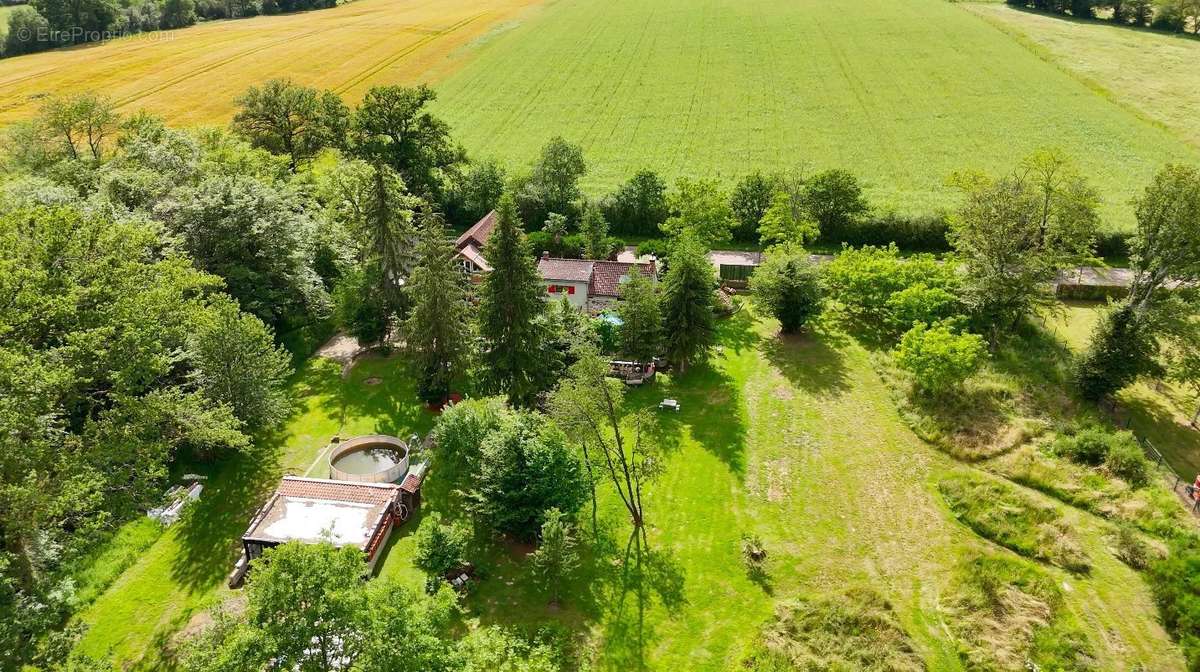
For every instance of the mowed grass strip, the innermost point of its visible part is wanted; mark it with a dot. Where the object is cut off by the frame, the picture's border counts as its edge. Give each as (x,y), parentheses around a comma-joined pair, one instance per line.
(1155,73)
(902,93)
(193,75)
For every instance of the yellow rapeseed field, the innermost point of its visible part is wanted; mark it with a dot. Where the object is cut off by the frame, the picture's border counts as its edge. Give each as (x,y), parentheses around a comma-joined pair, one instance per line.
(192,75)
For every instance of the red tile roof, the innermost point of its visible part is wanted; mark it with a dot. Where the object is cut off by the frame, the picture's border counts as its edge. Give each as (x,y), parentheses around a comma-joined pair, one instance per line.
(606,276)
(338,491)
(566,270)
(478,234)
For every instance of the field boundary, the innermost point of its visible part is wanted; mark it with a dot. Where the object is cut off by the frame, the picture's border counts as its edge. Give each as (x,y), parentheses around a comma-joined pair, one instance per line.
(1043,54)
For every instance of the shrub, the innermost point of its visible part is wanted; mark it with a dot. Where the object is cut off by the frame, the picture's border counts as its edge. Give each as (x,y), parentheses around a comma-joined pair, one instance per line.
(864,280)
(1130,549)
(789,285)
(1090,446)
(1173,581)
(921,303)
(1126,461)
(754,555)
(939,358)
(655,246)
(917,233)
(440,547)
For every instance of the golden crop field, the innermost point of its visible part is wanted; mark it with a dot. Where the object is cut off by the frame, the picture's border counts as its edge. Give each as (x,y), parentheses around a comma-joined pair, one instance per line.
(192,75)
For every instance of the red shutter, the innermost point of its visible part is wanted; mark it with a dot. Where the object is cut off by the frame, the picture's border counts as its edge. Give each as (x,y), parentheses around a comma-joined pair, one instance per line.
(550,288)
(571,289)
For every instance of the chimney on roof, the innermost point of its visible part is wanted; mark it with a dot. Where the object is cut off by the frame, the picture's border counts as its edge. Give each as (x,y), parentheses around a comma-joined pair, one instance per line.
(545,254)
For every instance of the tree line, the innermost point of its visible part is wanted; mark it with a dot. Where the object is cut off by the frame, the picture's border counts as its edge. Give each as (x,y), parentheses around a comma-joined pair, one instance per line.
(1177,16)
(47,24)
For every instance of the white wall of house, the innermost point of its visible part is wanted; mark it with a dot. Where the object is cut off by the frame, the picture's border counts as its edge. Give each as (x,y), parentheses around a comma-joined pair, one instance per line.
(576,292)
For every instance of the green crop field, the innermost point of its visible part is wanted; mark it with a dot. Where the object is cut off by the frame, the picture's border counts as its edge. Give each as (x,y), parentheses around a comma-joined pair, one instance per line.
(1151,72)
(902,93)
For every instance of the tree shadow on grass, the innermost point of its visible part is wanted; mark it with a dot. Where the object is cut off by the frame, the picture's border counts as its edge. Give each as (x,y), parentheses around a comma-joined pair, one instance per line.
(812,361)
(643,579)
(710,407)
(1153,418)
(381,388)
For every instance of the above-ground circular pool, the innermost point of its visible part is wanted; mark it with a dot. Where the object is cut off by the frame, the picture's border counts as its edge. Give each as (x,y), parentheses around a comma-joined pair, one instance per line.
(369,459)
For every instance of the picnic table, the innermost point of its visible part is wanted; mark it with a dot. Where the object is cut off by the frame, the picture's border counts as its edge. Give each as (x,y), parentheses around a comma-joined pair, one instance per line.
(669,404)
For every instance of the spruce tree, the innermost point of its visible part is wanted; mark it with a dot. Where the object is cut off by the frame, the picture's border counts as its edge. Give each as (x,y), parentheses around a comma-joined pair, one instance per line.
(641,318)
(510,312)
(687,305)
(437,333)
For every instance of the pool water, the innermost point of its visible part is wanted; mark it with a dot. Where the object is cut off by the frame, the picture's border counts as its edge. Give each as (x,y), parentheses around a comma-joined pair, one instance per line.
(368,461)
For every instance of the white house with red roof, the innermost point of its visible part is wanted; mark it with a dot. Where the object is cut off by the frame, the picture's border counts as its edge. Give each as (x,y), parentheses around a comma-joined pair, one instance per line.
(590,285)
(470,245)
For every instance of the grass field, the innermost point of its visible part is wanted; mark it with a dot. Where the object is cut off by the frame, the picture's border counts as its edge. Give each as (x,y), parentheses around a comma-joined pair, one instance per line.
(1151,72)
(900,93)
(796,440)
(192,75)
(903,93)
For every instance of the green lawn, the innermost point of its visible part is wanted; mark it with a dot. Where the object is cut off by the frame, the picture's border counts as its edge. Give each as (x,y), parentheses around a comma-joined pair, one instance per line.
(902,93)
(183,572)
(794,439)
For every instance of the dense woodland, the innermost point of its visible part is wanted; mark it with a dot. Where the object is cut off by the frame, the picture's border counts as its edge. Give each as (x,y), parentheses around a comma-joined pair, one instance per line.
(158,285)
(47,24)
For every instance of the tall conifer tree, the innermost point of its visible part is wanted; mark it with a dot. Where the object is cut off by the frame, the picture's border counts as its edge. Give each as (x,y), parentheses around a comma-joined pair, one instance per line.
(510,312)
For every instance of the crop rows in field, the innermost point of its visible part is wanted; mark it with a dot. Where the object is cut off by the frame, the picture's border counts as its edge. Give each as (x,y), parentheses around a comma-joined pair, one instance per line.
(901,93)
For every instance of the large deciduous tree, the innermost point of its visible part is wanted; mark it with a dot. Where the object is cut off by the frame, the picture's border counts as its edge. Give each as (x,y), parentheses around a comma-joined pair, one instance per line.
(1014,234)
(510,312)
(639,205)
(251,234)
(749,202)
(286,118)
(590,407)
(238,364)
(438,331)
(392,126)
(699,207)
(1165,249)
(553,184)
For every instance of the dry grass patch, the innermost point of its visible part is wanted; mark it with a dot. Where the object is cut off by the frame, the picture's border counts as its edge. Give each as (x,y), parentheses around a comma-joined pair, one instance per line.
(1152,509)
(1009,615)
(855,631)
(999,512)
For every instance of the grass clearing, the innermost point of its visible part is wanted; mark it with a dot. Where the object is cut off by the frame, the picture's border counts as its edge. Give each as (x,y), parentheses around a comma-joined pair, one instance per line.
(1149,71)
